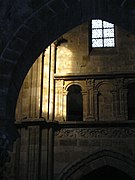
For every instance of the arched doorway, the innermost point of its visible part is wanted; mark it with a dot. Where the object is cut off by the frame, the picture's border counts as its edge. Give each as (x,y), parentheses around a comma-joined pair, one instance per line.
(131,101)
(74,104)
(106,172)
(103,164)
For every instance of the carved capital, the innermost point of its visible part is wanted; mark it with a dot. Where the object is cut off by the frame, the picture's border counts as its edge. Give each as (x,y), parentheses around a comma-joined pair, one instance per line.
(119,83)
(90,82)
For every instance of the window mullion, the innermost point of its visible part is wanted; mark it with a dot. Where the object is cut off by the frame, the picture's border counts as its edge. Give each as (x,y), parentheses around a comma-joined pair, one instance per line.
(102,34)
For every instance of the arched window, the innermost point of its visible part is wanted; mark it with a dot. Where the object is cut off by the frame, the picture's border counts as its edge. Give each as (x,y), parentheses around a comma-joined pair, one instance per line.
(131,101)
(74,103)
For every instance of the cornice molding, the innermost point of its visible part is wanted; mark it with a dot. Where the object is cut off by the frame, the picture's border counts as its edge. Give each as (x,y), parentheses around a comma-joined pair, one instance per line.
(110,75)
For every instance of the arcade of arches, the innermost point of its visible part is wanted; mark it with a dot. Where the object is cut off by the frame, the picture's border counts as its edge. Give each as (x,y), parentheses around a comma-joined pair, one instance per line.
(74,105)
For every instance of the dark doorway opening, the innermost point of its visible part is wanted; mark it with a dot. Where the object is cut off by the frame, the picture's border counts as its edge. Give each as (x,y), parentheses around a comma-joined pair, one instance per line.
(106,172)
(131,101)
(74,104)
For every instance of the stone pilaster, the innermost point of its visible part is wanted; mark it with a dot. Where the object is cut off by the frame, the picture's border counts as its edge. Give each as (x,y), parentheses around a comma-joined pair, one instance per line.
(90,99)
(96,105)
(84,95)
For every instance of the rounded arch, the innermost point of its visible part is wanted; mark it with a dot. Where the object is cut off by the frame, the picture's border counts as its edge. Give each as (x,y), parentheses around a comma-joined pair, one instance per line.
(105,100)
(51,20)
(74,103)
(77,88)
(128,82)
(131,100)
(97,160)
(105,82)
(74,83)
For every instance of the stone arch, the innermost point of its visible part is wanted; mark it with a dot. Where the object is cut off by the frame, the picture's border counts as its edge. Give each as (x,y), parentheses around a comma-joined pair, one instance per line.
(131,100)
(97,160)
(103,83)
(47,23)
(127,82)
(84,97)
(74,103)
(74,83)
(105,100)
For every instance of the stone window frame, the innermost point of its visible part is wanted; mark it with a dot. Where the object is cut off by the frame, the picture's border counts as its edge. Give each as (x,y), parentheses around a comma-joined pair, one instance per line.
(90,36)
(68,95)
(65,92)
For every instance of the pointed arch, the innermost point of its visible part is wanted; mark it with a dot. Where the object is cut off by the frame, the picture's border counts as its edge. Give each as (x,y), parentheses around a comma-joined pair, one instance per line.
(97,160)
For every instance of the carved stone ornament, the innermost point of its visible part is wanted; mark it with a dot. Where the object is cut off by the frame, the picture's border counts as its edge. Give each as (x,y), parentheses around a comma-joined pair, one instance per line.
(90,82)
(96,132)
(4,146)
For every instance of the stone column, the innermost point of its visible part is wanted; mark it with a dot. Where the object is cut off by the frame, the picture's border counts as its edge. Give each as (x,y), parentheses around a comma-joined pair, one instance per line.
(119,99)
(59,100)
(125,92)
(41,87)
(50,154)
(90,99)
(33,153)
(115,104)
(52,85)
(122,104)
(96,105)
(84,94)
(64,106)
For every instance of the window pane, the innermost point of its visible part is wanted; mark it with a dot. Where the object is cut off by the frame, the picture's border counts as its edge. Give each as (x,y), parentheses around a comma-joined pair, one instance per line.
(97,33)
(97,43)
(109,42)
(108,32)
(107,24)
(102,34)
(97,23)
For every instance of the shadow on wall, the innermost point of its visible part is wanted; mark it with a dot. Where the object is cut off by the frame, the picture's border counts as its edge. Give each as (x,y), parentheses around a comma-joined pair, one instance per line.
(106,172)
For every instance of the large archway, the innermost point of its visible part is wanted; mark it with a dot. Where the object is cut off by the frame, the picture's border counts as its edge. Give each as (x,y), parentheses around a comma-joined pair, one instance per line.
(106,172)
(37,31)
(100,163)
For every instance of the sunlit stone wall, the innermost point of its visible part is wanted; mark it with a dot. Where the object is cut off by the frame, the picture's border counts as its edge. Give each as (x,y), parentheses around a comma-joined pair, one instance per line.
(75,59)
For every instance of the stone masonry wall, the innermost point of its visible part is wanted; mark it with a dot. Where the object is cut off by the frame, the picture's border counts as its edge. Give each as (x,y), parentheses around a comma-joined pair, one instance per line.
(73,58)
(75,144)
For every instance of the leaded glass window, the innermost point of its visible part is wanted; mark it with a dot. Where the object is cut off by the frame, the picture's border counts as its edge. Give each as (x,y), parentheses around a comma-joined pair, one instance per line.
(102,34)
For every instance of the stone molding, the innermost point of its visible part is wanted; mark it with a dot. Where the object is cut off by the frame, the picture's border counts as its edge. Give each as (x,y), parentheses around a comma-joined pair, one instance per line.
(110,132)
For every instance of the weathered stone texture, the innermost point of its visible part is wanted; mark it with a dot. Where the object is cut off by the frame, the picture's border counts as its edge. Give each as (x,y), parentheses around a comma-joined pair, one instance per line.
(27,27)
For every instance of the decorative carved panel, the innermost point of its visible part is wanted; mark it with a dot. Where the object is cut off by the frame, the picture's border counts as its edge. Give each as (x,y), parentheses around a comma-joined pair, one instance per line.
(111,132)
